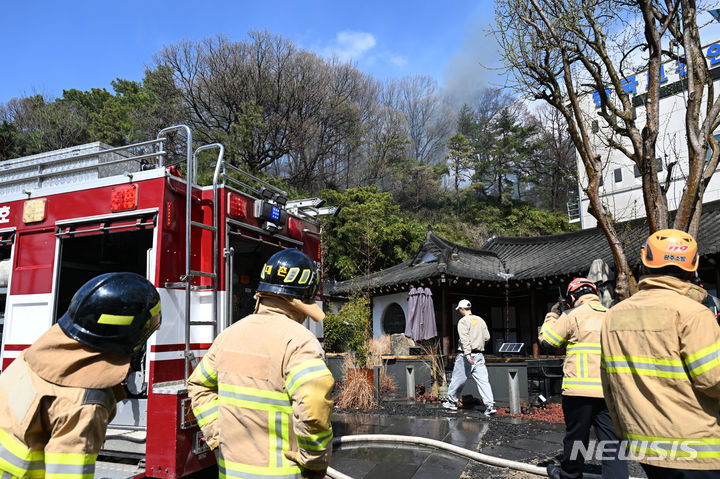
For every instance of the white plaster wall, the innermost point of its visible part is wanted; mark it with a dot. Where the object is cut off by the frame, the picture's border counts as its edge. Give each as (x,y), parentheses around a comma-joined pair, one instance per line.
(624,198)
(380,304)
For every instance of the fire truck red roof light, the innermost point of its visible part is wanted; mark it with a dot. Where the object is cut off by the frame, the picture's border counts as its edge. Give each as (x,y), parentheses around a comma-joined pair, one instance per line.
(123,198)
(236,206)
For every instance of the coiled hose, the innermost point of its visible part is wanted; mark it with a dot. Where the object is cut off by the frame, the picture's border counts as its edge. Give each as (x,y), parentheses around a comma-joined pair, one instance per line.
(484,458)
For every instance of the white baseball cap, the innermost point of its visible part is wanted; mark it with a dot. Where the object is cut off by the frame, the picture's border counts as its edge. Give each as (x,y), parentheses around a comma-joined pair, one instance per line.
(464,304)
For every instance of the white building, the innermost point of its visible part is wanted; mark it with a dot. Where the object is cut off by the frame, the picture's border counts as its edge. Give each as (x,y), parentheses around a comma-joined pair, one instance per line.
(621,186)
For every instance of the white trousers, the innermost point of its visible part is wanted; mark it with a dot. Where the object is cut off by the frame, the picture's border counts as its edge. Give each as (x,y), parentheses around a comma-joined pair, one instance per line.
(462,370)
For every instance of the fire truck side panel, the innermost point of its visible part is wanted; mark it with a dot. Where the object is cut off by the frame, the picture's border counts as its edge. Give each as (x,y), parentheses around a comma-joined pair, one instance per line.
(81,236)
(34,262)
(169,444)
(7,236)
(172,456)
(171,251)
(30,291)
(36,309)
(167,345)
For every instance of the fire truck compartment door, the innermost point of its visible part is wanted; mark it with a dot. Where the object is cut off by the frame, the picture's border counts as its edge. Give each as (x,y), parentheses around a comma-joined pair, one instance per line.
(130,221)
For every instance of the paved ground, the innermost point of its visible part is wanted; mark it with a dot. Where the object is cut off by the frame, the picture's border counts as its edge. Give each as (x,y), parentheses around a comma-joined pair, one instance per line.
(526,440)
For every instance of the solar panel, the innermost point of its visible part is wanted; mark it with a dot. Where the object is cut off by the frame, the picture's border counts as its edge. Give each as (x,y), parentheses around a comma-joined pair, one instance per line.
(511,347)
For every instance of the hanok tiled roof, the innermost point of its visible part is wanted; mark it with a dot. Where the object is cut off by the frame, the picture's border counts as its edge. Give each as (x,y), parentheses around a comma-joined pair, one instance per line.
(435,257)
(559,255)
(571,253)
(527,258)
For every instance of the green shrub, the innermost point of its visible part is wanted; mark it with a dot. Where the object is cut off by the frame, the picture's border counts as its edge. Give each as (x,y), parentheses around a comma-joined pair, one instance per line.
(348,328)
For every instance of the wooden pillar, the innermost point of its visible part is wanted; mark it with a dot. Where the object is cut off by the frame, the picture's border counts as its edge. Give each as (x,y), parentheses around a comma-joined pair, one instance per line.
(533,322)
(446,318)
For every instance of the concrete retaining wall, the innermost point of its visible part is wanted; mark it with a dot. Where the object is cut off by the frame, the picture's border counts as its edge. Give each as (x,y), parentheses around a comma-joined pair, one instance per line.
(397,367)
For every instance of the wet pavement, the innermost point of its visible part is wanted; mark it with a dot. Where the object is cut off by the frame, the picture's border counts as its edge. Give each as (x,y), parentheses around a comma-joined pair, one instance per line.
(394,461)
(530,441)
(397,461)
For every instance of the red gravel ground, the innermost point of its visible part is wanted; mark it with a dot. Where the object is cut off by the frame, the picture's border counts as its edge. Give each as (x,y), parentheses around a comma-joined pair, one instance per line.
(550,413)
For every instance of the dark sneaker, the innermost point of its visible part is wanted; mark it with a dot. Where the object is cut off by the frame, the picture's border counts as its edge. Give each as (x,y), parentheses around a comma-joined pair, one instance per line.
(553,471)
(490,410)
(450,405)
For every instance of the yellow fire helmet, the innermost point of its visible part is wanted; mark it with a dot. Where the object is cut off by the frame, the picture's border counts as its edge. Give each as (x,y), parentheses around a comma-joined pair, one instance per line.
(670,248)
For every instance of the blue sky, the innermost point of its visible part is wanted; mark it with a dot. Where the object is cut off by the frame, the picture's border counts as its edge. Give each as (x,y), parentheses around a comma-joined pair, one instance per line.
(49,46)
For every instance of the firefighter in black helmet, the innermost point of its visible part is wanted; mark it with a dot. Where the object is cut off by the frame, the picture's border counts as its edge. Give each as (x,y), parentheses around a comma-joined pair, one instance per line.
(58,396)
(278,368)
(290,273)
(113,313)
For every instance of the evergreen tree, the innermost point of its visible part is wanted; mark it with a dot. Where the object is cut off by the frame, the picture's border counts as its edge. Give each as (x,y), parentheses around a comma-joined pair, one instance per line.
(460,160)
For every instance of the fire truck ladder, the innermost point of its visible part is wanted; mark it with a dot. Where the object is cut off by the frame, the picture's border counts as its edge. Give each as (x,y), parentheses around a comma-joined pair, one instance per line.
(187,278)
(222,178)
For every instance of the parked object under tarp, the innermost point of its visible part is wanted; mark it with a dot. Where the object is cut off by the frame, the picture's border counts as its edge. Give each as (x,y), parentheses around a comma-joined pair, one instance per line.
(420,324)
(604,278)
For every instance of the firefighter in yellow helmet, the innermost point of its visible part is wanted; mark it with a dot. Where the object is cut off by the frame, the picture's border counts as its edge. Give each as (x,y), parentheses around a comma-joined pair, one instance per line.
(261,394)
(582,397)
(58,396)
(661,364)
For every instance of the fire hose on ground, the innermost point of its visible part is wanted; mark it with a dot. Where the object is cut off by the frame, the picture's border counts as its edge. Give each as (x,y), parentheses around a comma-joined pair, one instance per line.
(484,458)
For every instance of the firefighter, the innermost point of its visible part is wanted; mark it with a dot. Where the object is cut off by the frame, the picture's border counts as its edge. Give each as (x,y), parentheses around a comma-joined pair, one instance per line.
(58,396)
(661,374)
(582,397)
(261,394)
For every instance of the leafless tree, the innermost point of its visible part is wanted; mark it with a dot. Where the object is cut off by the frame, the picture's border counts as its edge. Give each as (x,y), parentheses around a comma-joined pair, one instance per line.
(702,116)
(385,138)
(238,93)
(562,52)
(328,128)
(429,120)
(553,168)
(272,103)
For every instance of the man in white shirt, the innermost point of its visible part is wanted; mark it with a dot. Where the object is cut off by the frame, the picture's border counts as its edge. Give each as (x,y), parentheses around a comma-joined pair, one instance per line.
(473,334)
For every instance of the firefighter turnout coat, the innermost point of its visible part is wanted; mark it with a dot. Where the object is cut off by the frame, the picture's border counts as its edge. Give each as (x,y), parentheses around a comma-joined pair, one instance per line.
(661,374)
(261,395)
(56,400)
(579,330)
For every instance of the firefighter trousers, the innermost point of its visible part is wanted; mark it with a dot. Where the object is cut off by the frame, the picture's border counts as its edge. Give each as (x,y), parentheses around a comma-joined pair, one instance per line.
(582,413)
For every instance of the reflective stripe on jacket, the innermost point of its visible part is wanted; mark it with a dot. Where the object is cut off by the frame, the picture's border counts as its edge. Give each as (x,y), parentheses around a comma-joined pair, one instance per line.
(265,380)
(47,430)
(579,329)
(661,374)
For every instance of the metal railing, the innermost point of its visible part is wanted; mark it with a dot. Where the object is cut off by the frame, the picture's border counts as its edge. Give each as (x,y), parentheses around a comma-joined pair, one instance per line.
(67,166)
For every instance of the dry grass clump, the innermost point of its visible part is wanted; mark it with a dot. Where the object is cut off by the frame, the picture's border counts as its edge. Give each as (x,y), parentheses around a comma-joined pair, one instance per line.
(349,362)
(436,363)
(356,392)
(376,347)
(387,383)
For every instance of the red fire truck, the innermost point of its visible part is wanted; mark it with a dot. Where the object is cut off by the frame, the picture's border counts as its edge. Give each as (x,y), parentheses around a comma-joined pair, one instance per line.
(69,215)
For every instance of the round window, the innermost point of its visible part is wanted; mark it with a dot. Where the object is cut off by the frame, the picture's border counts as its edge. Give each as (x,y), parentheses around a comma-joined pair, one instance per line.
(394,319)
